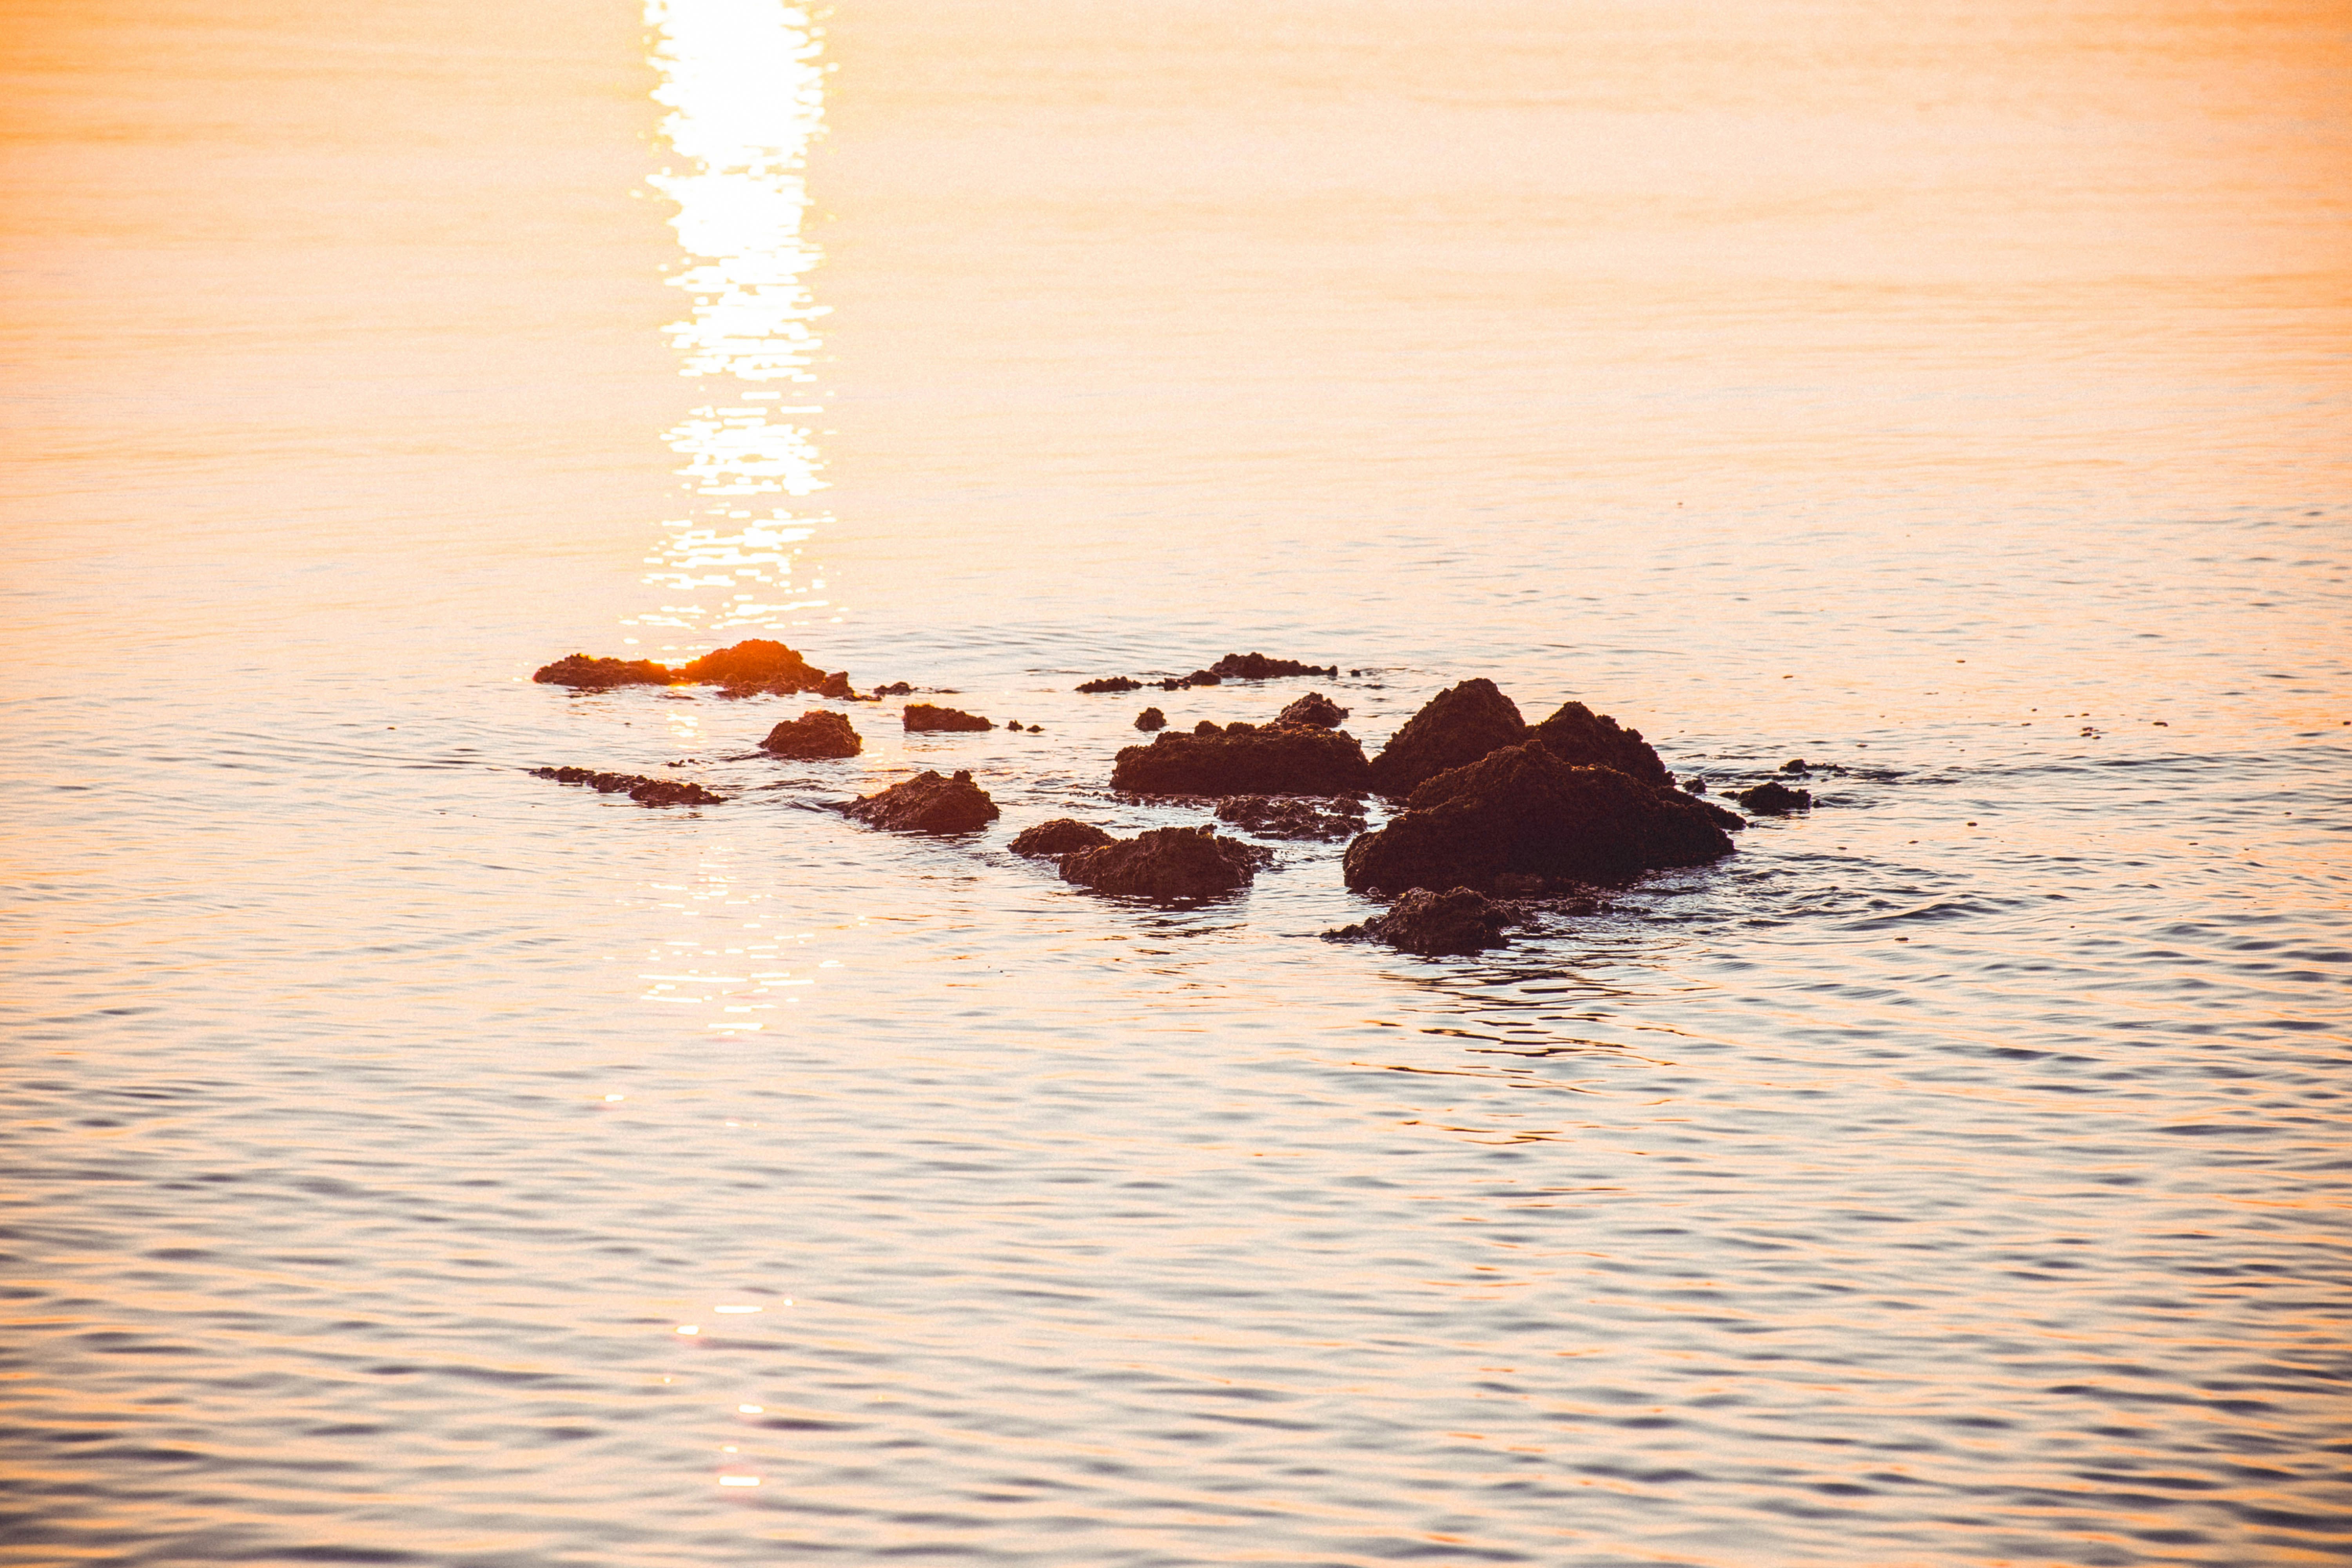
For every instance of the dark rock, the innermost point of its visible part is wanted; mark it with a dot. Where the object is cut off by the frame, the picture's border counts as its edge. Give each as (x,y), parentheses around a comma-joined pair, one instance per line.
(1111,683)
(1521,809)
(1460,920)
(1198,678)
(1730,821)
(1257,667)
(637,786)
(1584,739)
(1795,765)
(586,674)
(1459,725)
(762,664)
(1773,798)
(837,685)
(1167,863)
(923,716)
(896,688)
(927,802)
(1208,727)
(1150,718)
(815,733)
(1314,708)
(1060,836)
(1288,816)
(1694,784)
(1286,761)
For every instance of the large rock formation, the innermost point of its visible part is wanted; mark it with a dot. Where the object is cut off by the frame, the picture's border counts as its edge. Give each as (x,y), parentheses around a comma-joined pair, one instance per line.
(1460,724)
(927,802)
(1242,759)
(814,734)
(1060,836)
(637,786)
(1167,863)
(582,673)
(925,716)
(1584,739)
(1521,811)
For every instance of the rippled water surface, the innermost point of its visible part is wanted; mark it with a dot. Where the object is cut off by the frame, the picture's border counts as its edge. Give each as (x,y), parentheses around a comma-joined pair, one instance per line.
(413,1161)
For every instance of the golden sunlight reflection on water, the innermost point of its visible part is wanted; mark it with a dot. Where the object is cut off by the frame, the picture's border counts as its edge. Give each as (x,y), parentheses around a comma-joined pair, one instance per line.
(744,93)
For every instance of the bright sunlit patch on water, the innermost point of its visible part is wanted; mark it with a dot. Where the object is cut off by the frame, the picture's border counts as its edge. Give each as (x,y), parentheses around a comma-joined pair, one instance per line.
(745,95)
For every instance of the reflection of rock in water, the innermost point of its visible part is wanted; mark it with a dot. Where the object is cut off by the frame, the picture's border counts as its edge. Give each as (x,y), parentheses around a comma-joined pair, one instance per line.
(927,802)
(1168,863)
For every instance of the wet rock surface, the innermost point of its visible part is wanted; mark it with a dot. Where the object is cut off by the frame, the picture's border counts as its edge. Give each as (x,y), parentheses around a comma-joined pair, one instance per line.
(583,673)
(925,716)
(1581,738)
(1773,798)
(1060,836)
(1314,710)
(1459,725)
(815,735)
(1257,667)
(1168,864)
(927,802)
(1242,760)
(1520,810)
(1457,922)
(1150,718)
(1293,816)
(637,786)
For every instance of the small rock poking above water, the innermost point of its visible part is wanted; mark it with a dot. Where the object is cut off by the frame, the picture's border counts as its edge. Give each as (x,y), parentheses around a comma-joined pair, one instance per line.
(1150,718)
(924,716)
(1110,683)
(1168,863)
(1459,725)
(639,788)
(1058,838)
(1314,710)
(927,802)
(895,688)
(1773,798)
(1257,667)
(1456,921)
(1198,678)
(1240,760)
(583,673)
(1289,816)
(1521,810)
(815,735)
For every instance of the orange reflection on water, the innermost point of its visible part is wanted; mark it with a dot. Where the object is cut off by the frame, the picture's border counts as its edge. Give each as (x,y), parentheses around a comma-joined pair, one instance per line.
(745,96)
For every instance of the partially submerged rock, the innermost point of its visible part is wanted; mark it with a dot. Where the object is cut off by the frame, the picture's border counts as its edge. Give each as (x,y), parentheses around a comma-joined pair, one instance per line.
(1456,921)
(1316,709)
(1291,816)
(1150,718)
(927,802)
(1521,810)
(637,786)
(1060,836)
(1167,863)
(1773,798)
(924,716)
(895,688)
(814,734)
(1459,725)
(1240,760)
(582,673)
(1198,678)
(1581,738)
(1110,683)
(1257,667)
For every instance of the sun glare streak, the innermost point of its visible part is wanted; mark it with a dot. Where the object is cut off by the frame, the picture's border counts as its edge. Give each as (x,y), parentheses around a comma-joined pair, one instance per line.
(745,92)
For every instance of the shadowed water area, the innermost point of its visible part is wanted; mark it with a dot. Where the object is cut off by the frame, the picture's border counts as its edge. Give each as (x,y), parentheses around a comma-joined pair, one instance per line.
(413,1161)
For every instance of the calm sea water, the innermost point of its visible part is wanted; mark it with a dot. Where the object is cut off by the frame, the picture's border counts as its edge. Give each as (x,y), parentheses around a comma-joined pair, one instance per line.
(411,1161)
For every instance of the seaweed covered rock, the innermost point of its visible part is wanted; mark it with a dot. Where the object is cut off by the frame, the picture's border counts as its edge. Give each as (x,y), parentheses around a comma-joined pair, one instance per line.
(582,673)
(1584,739)
(1459,725)
(1167,863)
(1520,810)
(927,802)
(1110,683)
(637,786)
(1290,816)
(1150,718)
(814,734)
(1773,798)
(1434,924)
(1314,710)
(924,716)
(1257,667)
(1059,837)
(1239,760)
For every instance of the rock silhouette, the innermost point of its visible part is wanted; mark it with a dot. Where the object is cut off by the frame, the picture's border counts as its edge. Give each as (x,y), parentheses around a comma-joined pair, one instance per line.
(637,786)
(1242,760)
(1459,725)
(1520,810)
(1059,838)
(927,802)
(924,716)
(1167,863)
(814,734)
